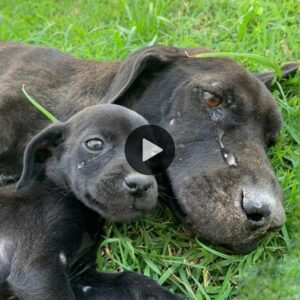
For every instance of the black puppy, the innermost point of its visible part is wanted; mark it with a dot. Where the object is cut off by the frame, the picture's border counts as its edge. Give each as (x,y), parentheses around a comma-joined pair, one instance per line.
(73,172)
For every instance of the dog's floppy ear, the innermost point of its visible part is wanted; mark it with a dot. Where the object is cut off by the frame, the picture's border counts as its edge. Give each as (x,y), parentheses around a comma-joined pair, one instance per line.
(39,149)
(148,60)
(287,70)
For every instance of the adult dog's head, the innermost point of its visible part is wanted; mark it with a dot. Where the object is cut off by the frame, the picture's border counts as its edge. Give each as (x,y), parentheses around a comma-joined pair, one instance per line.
(222,119)
(85,156)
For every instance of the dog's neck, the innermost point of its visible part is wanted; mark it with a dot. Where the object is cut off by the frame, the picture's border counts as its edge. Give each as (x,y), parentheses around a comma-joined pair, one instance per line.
(49,187)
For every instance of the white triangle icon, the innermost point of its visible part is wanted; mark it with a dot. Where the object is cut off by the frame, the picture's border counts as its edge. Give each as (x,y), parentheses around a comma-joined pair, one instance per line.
(150,150)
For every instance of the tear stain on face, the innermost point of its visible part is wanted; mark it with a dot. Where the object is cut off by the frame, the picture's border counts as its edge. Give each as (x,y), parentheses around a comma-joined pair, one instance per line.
(81,165)
(226,154)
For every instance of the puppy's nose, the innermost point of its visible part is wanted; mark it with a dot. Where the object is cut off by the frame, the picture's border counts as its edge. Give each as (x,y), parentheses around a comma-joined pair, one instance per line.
(137,184)
(262,209)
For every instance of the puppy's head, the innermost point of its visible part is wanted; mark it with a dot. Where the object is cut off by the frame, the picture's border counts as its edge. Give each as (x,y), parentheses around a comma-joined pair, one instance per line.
(86,156)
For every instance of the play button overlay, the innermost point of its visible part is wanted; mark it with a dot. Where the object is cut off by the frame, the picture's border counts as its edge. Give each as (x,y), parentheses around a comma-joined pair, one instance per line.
(149,149)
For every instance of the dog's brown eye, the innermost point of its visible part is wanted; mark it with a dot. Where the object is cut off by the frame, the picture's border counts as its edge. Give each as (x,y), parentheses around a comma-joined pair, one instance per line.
(94,145)
(212,100)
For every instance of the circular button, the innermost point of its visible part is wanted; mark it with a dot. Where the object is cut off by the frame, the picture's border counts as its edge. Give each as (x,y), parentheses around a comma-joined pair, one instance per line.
(149,149)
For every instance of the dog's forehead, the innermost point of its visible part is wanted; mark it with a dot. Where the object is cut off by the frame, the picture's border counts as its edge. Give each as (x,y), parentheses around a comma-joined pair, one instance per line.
(108,118)
(220,74)
(223,70)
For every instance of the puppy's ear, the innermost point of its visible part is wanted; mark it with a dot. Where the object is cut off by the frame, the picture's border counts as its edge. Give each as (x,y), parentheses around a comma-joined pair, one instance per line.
(146,61)
(287,70)
(39,149)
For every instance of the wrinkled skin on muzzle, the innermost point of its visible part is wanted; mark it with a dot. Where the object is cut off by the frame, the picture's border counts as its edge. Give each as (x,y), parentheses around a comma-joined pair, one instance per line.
(222,185)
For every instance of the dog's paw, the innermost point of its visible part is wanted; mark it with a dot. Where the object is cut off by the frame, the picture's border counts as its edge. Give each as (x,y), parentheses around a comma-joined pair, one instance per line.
(120,286)
(144,288)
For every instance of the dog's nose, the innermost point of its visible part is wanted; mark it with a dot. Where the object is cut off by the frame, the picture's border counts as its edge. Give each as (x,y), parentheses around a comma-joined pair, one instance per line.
(137,184)
(262,209)
(256,211)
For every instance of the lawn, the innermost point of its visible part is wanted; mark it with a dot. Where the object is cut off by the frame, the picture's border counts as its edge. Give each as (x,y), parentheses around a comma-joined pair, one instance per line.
(157,245)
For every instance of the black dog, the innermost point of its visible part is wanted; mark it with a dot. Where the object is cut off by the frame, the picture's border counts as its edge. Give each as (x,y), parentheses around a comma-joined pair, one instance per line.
(48,234)
(212,107)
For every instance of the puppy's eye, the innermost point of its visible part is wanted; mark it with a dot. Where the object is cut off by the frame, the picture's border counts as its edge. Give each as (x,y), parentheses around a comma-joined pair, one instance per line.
(211,100)
(94,145)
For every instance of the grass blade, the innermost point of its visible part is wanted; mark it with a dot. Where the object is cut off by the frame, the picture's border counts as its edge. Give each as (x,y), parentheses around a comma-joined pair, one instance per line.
(258,58)
(42,109)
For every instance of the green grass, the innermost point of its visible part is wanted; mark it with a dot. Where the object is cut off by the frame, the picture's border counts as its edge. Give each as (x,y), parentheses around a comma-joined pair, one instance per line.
(157,245)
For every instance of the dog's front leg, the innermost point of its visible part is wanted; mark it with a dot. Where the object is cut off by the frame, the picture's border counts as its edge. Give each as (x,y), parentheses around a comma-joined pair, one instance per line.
(39,279)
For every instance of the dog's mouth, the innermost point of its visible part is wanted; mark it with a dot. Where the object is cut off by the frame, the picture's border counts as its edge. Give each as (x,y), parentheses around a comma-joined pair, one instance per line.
(94,202)
(116,213)
(167,196)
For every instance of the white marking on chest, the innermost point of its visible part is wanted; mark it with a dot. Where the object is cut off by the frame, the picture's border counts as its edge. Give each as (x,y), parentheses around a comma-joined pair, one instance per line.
(85,289)
(62,258)
(5,246)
